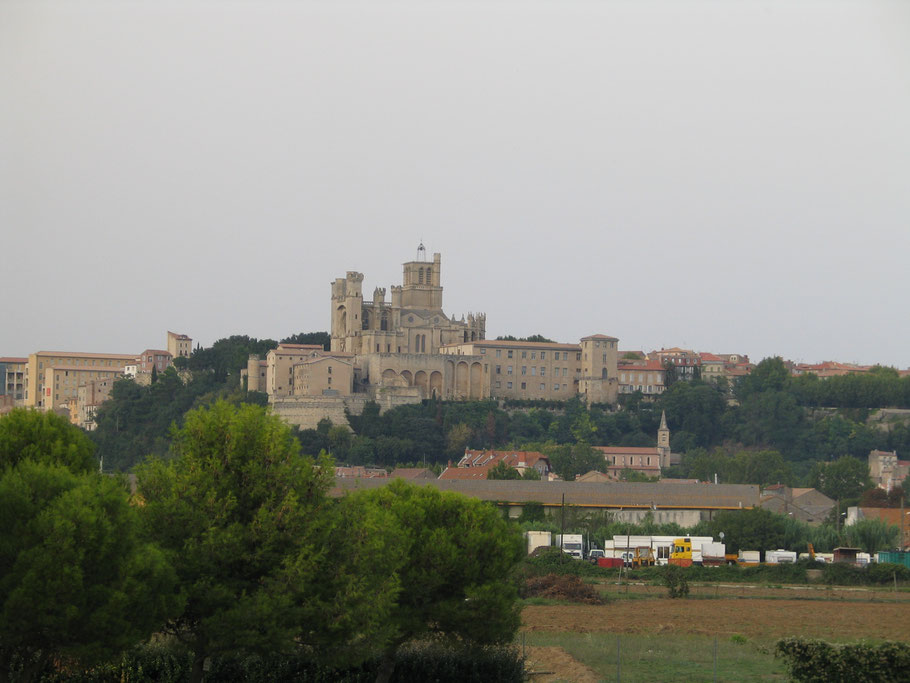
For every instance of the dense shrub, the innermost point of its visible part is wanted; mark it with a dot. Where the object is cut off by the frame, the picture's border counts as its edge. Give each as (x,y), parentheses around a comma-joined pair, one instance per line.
(886,572)
(675,580)
(433,661)
(552,560)
(561,587)
(812,661)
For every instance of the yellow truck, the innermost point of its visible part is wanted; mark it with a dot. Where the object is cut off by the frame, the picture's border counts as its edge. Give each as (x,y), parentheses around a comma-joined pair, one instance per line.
(697,550)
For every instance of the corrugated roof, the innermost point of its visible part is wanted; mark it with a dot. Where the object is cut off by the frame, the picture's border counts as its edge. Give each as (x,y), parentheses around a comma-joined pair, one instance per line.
(607,494)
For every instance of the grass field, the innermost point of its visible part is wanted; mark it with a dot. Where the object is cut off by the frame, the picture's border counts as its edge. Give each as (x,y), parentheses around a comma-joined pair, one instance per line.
(662,639)
(666,657)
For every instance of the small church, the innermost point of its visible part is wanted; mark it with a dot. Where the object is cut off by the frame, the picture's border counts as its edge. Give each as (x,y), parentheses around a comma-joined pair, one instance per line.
(644,460)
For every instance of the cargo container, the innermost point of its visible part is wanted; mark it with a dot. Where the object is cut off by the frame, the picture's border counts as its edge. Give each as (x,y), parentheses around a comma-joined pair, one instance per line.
(895,556)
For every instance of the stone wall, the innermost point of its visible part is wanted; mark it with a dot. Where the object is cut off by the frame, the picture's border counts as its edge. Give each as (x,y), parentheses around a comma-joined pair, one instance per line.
(307,411)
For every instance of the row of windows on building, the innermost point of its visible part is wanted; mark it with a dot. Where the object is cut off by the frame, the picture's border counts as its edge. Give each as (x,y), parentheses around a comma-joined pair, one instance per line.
(524,370)
(543,354)
(543,386)
(78,362)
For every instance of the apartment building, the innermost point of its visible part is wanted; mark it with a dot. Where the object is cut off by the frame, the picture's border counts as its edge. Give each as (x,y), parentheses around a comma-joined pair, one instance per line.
(52,377)
(154,359)
(546,370)
(179,345)
(12,380)
(647,376)
(89,396)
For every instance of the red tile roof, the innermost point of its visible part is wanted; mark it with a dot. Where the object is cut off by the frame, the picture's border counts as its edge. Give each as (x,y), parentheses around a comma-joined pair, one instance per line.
(627,450)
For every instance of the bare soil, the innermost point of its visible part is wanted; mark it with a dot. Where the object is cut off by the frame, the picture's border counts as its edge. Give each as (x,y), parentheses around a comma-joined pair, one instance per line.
(755,618)
(552,664)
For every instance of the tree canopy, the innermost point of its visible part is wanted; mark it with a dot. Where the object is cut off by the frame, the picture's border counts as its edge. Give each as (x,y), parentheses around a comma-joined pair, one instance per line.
(457,566)
(77,582)
(46,438)
(239,513)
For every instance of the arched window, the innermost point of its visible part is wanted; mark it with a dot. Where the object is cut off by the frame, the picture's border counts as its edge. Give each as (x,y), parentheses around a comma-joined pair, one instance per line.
(384,321)
(603,373)
(366,319)
(429,279)
(423,344)
(420,276)
(466,335)
(473,336)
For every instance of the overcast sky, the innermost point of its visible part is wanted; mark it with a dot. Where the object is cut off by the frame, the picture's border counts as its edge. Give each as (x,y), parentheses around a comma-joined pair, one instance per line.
(723,176)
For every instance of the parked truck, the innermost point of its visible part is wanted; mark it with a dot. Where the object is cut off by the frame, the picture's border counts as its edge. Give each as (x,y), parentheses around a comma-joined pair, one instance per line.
(573,544)
(688,551)
(538,539)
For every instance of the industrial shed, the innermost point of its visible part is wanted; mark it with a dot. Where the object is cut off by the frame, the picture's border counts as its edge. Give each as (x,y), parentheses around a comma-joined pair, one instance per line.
(684,504)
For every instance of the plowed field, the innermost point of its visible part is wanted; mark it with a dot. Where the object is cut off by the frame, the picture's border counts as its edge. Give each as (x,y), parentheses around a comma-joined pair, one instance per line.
(754,618)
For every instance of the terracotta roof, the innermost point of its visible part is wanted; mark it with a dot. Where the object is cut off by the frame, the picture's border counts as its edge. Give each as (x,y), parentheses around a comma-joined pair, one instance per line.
(517,345)
(711,358)
(600,336)
(649,366)
(80,354)
(300,347)
(620,468)
(477,458)
(10,359)
(628,450)
(412,473)
(465,472)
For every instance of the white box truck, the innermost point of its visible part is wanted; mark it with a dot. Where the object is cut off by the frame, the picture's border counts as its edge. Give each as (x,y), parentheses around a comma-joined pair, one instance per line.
(573,544)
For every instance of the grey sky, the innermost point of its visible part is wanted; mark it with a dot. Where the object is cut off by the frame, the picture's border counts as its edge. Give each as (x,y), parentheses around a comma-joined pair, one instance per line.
(726,176)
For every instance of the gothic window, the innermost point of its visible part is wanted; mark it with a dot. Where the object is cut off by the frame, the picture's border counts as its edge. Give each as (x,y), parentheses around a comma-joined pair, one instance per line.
(366,320)
(429,280)
(384,321)
(420,276)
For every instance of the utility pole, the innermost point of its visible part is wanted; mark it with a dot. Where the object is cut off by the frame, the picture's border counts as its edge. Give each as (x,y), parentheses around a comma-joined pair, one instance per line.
(562,534)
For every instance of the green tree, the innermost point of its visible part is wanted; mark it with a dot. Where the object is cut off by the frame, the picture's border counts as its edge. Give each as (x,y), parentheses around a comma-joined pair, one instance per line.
(76,581)
(843,479)
(457,440)
(44,437)
(872,535)
(502,471)
(456,571)
(247,525)
(531,474)
(750,529)
(572,460)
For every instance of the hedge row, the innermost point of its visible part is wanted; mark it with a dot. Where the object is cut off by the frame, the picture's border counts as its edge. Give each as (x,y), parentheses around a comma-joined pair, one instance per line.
(421,662)
(813,661)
